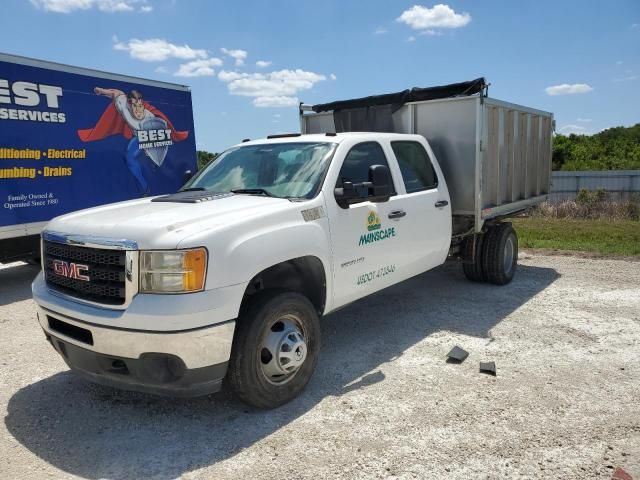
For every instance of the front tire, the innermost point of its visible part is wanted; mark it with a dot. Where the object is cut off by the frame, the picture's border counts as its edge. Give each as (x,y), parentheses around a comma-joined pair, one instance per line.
(275,349)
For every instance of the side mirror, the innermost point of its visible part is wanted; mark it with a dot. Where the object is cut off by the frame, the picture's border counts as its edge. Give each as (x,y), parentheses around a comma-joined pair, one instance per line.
(380,180)
(345,194)
(188,175)
(378,188)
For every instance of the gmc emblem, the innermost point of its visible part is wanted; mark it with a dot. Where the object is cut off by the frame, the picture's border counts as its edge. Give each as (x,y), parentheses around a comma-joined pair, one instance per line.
(70,270)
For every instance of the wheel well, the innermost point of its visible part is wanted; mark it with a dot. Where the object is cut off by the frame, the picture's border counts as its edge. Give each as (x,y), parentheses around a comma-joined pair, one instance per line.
(304,275)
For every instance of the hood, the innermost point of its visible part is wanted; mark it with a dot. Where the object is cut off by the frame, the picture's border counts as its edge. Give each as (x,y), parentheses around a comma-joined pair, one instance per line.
(154,224)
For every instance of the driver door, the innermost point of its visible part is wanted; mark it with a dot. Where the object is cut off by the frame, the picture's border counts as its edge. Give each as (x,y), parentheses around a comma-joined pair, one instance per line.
(366,236)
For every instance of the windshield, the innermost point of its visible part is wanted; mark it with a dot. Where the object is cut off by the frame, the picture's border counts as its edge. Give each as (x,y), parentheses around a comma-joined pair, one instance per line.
(286,170)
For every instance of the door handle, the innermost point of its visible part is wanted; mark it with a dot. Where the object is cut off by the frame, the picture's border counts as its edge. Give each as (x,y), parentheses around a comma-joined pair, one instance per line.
(397,214)
(441,203)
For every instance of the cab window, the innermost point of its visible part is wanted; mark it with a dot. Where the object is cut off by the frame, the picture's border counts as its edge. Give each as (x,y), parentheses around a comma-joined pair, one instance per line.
(416,167)
(285,170)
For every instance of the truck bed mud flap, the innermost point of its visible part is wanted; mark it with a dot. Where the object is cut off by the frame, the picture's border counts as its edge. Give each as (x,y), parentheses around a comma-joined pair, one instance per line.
(457,355)
(488,367)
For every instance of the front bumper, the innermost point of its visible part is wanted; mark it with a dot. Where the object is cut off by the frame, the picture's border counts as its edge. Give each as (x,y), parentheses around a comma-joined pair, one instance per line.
(182,350)
(182,364)
(152,373)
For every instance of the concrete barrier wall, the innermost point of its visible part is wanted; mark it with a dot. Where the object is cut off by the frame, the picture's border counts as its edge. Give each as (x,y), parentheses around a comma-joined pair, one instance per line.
(619,184)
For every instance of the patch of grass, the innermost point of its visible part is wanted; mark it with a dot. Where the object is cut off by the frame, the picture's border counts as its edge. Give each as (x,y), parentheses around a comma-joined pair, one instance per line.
(608,237)
(591,206)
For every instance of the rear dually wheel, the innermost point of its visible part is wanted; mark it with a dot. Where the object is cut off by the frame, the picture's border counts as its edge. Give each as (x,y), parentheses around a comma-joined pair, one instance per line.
(500,256)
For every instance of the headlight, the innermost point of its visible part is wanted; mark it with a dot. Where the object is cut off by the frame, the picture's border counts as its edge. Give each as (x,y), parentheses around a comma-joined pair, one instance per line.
(173,271)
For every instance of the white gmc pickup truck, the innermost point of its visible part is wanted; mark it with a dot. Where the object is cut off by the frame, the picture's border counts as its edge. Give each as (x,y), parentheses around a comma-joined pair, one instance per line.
(228,278)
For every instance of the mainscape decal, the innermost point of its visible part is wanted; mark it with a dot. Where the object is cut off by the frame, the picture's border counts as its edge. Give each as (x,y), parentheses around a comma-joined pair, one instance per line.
(373,221)
(376,232)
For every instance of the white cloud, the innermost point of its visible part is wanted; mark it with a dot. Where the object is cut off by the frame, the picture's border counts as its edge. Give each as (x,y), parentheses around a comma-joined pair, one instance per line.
(161,69)
(263,63)
(575,129)
(432,33)
(635,25)
(584,120)
(411,39)
(380,31)
(110,6)
(275,89)
(439,16)
(239,55)
(619,62)
(279,83)
(158,50)
(630,78)
(114,6)
(63,6)
(199,68)
(280,101)
(227,76)
(333,77)
(568,89)
(277,115)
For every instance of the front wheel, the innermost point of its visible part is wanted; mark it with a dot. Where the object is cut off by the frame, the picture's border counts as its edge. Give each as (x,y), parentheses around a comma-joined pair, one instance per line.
(275,349)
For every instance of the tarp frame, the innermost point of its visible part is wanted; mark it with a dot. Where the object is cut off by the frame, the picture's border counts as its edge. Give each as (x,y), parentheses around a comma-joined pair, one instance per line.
(416,94)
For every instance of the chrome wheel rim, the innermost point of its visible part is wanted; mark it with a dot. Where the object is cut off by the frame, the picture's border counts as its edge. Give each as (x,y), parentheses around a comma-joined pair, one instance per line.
(283,350)
(509,252)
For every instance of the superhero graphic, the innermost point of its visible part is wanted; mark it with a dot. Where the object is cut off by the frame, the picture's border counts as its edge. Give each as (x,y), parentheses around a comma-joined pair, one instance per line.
(148,130)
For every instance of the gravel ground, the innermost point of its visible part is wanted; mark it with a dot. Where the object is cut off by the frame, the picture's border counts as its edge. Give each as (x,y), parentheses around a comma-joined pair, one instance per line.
(565,336)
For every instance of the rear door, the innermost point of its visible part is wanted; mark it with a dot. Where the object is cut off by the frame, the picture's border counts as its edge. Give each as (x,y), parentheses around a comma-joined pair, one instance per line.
(425,200)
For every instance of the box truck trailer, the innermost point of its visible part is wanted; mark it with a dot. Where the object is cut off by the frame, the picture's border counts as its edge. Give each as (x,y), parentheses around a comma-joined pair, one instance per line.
(73,138)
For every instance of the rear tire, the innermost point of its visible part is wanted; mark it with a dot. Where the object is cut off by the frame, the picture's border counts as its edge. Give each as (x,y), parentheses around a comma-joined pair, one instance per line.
(473,271)
(500,254)
(275,349)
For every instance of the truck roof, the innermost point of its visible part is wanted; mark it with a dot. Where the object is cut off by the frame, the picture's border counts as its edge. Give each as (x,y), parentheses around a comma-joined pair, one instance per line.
(331,137)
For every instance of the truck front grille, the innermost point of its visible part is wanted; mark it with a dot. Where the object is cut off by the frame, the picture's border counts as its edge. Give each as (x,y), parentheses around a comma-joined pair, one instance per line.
(93,274)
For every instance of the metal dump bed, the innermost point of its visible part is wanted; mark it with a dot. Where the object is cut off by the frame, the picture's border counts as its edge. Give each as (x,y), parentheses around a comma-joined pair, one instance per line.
(496,156)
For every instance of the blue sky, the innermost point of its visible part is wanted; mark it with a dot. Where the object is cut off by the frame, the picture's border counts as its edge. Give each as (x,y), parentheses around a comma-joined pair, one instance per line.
(578,59)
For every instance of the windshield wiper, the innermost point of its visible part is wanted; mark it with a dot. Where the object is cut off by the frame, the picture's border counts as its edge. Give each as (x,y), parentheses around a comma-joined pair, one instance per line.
(253,191)
(193,189)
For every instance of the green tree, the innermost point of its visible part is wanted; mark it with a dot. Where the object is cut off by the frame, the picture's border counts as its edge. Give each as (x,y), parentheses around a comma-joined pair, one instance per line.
(205,157)
(616,148)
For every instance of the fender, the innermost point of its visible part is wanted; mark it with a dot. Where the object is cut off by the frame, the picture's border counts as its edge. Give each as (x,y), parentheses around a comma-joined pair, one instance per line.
(240,252)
